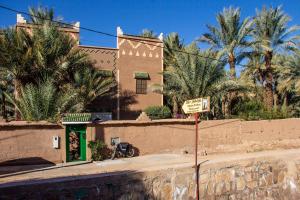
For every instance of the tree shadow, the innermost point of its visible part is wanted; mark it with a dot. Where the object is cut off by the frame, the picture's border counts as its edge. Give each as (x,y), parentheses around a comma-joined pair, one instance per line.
(119,185)
(106,103)
(109,103)
(23,164)
(128,98)
(122,185)
(199,176)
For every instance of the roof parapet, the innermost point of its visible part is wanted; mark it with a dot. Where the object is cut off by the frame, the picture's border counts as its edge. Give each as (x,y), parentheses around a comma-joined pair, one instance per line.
(21,19)
(77,25)
(161,37)
(119,31)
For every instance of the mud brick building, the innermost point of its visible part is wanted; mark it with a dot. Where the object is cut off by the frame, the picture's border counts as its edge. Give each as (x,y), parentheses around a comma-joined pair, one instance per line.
(136,63)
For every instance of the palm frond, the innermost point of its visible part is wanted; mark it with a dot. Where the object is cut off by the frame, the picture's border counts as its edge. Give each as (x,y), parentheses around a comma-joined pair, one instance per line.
(230,36)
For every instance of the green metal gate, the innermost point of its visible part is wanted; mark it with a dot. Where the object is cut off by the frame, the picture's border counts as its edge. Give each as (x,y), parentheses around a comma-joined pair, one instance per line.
(76,142)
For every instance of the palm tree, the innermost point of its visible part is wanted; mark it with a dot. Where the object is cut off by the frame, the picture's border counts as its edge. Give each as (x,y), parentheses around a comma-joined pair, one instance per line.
(47,52)
(57,55)
(194,76)
(172,45)
(288,76)
(148,33)
(6,86)
(43,101)
(60,59)
(254,69)
(42,16)
(271,34)
(17,57)
(91,84)
(3,89)
(229,37)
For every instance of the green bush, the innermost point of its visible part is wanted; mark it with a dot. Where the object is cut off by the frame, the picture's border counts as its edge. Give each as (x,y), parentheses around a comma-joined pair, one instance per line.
(158,112)
(98,149)
(255,110)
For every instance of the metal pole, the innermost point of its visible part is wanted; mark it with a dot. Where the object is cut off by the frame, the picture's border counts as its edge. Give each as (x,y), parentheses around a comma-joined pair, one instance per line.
(196,152)
(118,94)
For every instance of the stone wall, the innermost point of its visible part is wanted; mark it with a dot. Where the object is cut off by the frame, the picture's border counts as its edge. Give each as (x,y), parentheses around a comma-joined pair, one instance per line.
(215,136)
(258,178)
(30,143)
(250,180)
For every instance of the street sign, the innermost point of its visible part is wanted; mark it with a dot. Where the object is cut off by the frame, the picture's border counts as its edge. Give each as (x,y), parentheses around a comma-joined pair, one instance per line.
(196,105)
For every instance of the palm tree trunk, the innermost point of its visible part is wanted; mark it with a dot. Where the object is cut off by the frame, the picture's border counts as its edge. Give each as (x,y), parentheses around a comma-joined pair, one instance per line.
(4,113)
(17,85)
(231,95)
(175,107)
(225,107)
(285,101)
(269,98)
(231,61)
(275,97)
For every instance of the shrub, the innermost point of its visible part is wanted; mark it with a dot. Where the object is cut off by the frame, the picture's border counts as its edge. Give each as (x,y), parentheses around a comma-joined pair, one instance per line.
(255,110)
(98,149)
(158,112)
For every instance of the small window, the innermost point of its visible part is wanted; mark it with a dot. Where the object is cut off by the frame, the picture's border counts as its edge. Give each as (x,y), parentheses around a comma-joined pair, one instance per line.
(141,86)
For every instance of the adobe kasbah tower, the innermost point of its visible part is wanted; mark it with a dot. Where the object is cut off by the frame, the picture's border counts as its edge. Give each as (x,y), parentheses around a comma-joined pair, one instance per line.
(136,63)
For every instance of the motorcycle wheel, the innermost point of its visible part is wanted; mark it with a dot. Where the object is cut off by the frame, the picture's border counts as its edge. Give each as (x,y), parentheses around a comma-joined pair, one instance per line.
(130,152)
(114,155)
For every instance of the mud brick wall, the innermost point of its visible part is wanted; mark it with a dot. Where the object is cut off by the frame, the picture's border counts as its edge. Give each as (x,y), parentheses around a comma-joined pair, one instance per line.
(22,140)
(215,136)
(30,143)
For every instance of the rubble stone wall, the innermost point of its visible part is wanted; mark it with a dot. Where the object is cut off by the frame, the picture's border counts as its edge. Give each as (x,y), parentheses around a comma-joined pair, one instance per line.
(257,179)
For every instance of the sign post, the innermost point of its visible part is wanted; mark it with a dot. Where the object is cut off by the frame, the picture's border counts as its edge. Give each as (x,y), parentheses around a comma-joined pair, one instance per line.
(196,152)
(196,106)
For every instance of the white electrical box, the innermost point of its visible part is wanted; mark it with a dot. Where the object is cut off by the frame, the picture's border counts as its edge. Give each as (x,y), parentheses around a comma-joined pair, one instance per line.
(55,142)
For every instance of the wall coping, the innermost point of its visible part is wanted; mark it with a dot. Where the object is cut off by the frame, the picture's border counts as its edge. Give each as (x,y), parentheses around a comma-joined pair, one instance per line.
(136,37)
(161,121)
(29,124)
(179,121)
(132,122)
(97,47)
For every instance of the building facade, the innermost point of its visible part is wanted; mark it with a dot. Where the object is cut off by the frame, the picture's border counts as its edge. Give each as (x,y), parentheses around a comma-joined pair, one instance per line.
(136,63)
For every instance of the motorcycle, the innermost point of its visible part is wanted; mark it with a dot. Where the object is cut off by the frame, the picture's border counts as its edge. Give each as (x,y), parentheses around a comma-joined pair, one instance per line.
(122,149)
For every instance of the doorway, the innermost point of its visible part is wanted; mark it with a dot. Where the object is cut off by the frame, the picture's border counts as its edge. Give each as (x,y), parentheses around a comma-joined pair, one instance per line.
(76,142)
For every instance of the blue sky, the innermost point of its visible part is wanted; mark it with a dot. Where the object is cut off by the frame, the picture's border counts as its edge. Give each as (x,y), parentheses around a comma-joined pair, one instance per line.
(187,17)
